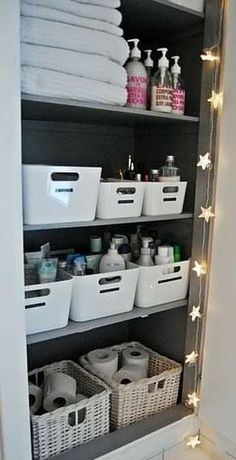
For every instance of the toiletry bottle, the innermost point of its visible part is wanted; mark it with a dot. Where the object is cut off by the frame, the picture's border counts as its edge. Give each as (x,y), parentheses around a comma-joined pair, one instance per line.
(169,172)
(178,100)
(145,259)
(112,261)
(161,91)
(162,257)
(177,253)
(137,79)
(130,174)
(134,246)
(149,68)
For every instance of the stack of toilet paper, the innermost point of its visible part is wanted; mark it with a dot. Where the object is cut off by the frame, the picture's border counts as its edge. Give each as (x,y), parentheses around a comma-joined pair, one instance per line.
(132,367)
(58,390)
(73,49)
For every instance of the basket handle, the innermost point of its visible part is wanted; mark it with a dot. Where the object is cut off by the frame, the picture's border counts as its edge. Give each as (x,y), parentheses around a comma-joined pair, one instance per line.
(65,176)
(157,386)
(126,190)
(77,417)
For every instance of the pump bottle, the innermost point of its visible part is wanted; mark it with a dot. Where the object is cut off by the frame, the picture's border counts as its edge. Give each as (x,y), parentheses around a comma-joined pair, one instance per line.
(149,68)
(137,78)
(162,90)
(145,259)
(112,261)
(178,101)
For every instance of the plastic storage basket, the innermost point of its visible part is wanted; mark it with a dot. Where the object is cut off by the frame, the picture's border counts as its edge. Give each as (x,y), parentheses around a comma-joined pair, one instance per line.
(61,430)
(47,305)
(120,199)
(163,198)
(137,400)
(156,286)
(106,294)
(53,194)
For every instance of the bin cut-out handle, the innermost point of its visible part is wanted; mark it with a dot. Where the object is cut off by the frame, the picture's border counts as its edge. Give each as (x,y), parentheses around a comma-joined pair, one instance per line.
(77,417)
(172,189)
(170,280)
(37,293)
(110,280)
(125,201)
(126,190)
(65,176)
(154,387)
(104,291)
(35,305)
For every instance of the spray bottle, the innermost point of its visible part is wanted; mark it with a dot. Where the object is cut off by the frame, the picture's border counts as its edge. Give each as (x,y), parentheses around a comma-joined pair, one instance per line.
(178,101)
(149,68)
(162,90)
(137,78)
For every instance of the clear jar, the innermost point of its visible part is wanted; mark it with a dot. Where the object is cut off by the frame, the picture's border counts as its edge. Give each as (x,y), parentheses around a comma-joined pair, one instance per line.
(169,172)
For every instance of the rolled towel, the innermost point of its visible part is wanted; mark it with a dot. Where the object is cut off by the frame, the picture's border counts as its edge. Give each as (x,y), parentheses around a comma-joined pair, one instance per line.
(48,33)
(42,82)
(80,9)
(42,12)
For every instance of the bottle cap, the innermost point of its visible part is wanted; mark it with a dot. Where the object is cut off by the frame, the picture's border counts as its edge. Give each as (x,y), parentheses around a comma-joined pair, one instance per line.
(176,69)
(138,177)
(170,158)
(163,251)
(135,51)
(154,171)
(148,61)
(163,61)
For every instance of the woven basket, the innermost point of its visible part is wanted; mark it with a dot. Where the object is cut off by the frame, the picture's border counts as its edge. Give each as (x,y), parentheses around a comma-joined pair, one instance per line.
(137,400)
(61,430)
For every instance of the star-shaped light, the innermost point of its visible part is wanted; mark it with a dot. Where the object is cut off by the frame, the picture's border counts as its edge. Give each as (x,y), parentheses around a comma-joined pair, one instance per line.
(216,99)
(206,213)
(205,161)
(192,358)
(199,269)
(195,313)
(193,400)
(193,442)
(208,56)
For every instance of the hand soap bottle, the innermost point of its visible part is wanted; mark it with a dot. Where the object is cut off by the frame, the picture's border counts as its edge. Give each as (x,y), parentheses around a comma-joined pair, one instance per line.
(178,100)
(137,79)
(162,90)
(112,261)
(169,172)
(149,68)
(145,259)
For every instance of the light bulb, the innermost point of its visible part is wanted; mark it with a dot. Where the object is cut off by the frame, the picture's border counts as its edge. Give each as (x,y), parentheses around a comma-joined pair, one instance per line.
(209,56)
(193,400)
(205,161)
(206,214)
(195,313)
(199,269)
(193,442)
(216,99)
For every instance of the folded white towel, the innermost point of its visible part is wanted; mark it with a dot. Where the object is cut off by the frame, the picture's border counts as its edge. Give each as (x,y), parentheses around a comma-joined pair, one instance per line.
(42,82)
(60,16)
(84,65)
(108,3)
(58,35)
(80,9)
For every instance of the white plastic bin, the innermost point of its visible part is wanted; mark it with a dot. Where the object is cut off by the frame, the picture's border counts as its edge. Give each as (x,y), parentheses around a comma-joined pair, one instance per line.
(105,294)
(47,305)
(53,194)
(163,198)
(155,286)
(120,199)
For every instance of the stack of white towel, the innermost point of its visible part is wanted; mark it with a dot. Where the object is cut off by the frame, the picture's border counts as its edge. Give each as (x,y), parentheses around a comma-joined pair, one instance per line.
(73,49)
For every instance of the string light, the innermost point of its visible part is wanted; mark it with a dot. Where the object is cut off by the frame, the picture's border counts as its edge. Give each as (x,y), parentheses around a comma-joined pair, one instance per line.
(205,161)
(199,269)
(193,442)
(206,214)
(193,400)
(192,358)
(195,313)
(216,99)
(209,56)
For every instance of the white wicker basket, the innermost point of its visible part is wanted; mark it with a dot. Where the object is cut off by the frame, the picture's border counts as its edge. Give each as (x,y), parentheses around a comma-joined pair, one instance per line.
(137,400)
(61,430)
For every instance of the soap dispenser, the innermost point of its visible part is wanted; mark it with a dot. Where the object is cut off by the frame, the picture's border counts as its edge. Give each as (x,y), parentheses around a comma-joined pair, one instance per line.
(178,100)
(162,90)
(149,64)
(112,261)
(137,78)
(145,259)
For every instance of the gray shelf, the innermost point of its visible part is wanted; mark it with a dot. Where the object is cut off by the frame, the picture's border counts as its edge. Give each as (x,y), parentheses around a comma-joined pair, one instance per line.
(105,222)
(55,109)
(75,328)
(117,439)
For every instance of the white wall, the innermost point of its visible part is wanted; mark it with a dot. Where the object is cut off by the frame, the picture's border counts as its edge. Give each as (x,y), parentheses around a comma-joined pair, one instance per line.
(13,375)
(218,399)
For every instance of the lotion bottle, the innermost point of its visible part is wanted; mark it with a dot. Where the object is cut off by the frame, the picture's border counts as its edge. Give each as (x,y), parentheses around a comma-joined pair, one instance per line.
(178,100)
(145,259)
(149,64)
(162,90)
(112,261)
(137,78)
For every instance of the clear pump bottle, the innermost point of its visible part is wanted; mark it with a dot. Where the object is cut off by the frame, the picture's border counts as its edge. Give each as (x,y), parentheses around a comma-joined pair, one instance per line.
(178,101)
(162,89)
(137,78)
(149,64)
(169,172)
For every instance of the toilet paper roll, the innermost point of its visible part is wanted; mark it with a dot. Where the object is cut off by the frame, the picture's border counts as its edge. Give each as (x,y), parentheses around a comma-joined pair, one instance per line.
(35,398)
(136,357)
(104,361)
(59,391)
(128,374)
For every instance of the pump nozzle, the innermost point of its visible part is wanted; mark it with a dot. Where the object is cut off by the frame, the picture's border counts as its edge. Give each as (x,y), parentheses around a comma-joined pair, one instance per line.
(135,52)
(176,69)
(148,61)
(163,61)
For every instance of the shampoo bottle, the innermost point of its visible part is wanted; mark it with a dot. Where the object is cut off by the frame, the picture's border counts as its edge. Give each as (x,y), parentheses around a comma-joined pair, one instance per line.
(149,68)
(137,79)
(178,100)
(145,259)
(112,261)
(162,90)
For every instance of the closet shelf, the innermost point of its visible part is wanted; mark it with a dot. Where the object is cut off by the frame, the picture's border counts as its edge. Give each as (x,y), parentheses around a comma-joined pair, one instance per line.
(54,109)
(127,435)
(105,222)
(75,328)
